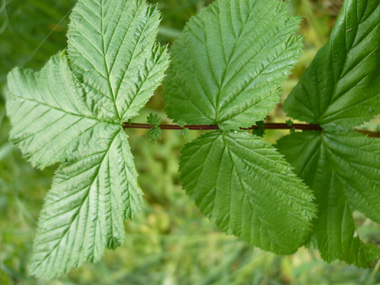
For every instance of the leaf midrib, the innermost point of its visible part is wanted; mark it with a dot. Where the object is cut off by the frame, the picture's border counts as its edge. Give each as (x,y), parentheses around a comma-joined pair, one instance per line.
(80,206)
(82,116)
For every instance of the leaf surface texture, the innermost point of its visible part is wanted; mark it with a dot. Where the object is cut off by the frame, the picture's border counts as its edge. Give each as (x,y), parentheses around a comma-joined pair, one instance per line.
(248,189)
(84,211)
(229,63)
(341,88)
(48,112)
(343,171)
(71,112)
(113,51)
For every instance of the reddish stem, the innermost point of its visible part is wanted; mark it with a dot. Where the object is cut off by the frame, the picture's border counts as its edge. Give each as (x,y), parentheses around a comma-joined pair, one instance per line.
(215,127)
(269,126)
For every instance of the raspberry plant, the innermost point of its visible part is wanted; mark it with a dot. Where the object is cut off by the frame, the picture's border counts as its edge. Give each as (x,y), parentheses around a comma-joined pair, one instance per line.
(224,75)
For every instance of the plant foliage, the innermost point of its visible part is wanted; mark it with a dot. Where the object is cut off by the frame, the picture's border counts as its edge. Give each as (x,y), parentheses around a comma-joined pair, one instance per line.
(229,63)
(343,171)
(340,90)
(234,86)
(71,112)
(223,173)
(227,69)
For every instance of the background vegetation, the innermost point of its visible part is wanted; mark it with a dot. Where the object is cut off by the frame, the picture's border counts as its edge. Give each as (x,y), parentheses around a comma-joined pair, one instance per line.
(169,242)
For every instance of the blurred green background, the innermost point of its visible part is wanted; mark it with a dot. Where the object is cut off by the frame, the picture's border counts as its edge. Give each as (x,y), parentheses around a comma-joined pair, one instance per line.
(169,242)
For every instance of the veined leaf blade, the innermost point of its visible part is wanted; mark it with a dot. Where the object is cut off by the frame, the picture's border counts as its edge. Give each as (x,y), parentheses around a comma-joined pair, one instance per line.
(112,50)
(228,65)
(343,171)
(341,88)
(248,189)
(48,112)
(71,112)
(84,210)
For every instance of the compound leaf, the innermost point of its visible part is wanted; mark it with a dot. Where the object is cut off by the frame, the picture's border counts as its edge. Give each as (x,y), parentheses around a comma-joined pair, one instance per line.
(341,88)
(92,192)
(343,170)
(112,50)
(229,63)
(248,189)
(75,116)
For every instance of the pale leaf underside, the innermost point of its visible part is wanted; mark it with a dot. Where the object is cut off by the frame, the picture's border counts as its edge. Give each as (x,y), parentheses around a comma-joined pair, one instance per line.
(112,50)
(72,111)
(48,113)
(83,212)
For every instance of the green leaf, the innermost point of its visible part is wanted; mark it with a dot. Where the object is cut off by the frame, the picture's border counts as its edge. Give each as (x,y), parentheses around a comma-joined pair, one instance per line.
(94,191)
(229,63)
(181,123)
(112,50)
(289,122)
(83,212)
(344,173)
(184,132)
(341,86)
(248,190)
(155,133)
(75,116)
(49,114)
(260,132)
(154,120)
